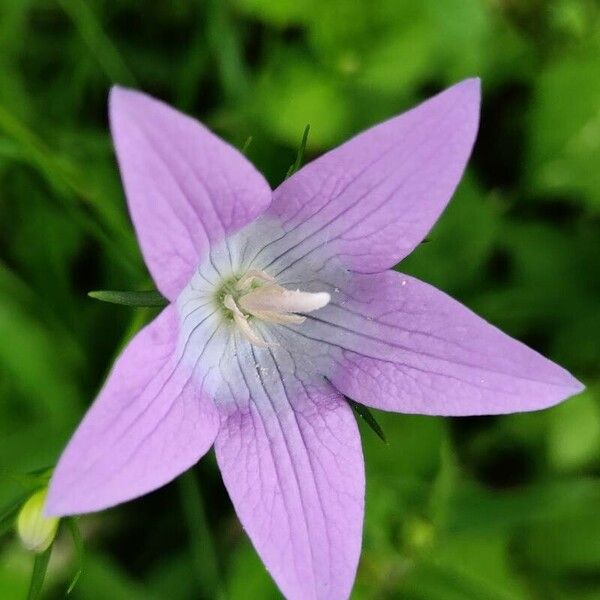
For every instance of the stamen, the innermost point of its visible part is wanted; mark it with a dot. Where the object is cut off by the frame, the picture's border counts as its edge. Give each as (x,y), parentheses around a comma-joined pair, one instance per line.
(242,322)
(268,302)
(246,280)
(281,319)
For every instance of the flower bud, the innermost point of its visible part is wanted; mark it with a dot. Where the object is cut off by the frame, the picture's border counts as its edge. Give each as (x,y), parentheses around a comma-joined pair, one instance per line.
(35,530)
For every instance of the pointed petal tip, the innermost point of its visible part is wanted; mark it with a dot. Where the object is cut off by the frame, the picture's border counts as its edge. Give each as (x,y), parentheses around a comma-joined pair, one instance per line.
(119,94)
(469,89)
(472,84)
(462,365)
(566,386)
(308,534)
(116,96)
(562,392)
(123,99)
(576,386)
(115,91)
(472,91)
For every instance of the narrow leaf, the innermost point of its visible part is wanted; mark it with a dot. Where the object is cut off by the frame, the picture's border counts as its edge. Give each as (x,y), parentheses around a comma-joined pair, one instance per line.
(300,156)
(226,44)
(246,145)
(27,480)
(99,44)
(73,526)
(367,416)
(40,566)
(149,298)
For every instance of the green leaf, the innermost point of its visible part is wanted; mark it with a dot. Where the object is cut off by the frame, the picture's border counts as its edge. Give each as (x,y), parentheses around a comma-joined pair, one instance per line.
(98,43)
(40,566)
(300,156)
(564,141)
(292,91)
(69,183)
(478,510)
(42,379)
(106,578)
(566,544)
(465,568)
(33,479)
(384,47)
(444,485)
(204,558)
(280,13)
(473,217)
(367,416)
(247,579)
(414,442)
(225,42)
(149,298)
(574,432)
(398,60)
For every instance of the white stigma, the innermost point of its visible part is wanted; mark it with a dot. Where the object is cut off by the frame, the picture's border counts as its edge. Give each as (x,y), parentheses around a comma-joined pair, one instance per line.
(269,302)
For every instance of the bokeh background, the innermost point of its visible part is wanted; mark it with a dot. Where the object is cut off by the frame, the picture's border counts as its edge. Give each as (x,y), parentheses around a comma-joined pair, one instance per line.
(473,508)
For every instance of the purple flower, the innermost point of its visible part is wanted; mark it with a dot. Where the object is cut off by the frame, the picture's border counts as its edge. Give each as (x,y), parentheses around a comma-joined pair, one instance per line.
(281,303)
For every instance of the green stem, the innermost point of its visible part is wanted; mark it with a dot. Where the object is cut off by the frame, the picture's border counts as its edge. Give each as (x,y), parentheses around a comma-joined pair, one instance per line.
(79,551)
(40,566)
(201,542)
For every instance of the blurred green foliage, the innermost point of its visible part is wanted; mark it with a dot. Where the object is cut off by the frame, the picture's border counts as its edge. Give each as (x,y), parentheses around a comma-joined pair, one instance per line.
(481,508)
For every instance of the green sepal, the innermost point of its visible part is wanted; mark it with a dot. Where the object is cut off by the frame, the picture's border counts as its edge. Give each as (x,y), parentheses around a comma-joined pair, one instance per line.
(300,156)
(137,299)
(367,416)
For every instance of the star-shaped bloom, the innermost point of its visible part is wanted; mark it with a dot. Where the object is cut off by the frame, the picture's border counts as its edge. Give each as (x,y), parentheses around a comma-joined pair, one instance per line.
(282,302)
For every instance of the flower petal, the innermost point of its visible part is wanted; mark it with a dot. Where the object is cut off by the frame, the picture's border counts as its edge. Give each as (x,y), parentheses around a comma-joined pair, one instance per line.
(290,456)
(373,199)
(186,188)
(400,344)
(150,422)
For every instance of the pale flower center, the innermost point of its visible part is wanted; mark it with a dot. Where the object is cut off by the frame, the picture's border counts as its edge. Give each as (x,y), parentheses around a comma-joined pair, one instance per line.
(257,295)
